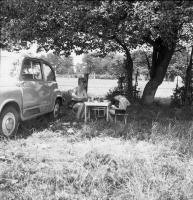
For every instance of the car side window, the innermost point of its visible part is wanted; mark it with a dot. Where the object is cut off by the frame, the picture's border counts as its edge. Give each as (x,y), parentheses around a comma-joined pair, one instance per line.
(48,73)
(37,73)
(27,71)
(31,70)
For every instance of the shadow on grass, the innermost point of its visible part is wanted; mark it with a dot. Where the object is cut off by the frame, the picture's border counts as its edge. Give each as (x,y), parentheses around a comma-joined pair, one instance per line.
(43,122)
(144,123)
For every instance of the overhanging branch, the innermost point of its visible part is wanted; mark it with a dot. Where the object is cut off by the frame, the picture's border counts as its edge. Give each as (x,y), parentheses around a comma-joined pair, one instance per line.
(123,45)
(180,49)
(147,60)
(149,40)
(112,37)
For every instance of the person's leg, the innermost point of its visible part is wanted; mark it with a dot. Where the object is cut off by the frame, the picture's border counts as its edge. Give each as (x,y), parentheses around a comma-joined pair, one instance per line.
(111,114)
(76,108)
(80,110)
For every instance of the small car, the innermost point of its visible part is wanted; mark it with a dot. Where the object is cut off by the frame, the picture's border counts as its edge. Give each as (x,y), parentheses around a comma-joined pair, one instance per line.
(28,89)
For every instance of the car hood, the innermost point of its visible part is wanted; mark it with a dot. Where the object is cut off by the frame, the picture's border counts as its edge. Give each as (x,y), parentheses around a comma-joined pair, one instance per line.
(8,82)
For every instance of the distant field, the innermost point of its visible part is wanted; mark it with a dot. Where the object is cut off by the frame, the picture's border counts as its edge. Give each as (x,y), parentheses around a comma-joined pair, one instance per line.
(99,87)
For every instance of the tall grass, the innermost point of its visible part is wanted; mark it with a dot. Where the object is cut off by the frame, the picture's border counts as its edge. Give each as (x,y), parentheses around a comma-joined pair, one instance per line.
(149,158)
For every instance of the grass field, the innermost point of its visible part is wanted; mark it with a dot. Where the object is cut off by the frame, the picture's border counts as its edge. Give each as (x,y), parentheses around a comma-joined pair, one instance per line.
(150,158)
(100,87)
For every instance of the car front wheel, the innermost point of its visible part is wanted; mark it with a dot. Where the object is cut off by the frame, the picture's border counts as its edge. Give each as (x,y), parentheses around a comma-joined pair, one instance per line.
(9,121)
(56,111)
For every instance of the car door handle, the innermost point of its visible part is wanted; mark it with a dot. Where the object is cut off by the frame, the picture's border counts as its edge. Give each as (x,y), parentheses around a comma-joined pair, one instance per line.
(21,83)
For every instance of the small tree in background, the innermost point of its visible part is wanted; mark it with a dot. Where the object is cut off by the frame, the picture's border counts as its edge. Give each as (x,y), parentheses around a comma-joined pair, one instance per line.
(177,66)
(63,65)
(184,95)
(110,65)
(142,61)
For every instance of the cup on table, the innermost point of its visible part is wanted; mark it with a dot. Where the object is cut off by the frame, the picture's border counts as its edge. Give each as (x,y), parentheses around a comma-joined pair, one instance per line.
(96,99)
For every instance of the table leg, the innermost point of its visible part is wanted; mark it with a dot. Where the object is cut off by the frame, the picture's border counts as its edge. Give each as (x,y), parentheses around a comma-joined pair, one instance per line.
(88,113)
(85,113)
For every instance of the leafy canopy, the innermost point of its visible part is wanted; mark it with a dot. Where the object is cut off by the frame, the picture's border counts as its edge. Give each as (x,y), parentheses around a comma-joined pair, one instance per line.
(70,25)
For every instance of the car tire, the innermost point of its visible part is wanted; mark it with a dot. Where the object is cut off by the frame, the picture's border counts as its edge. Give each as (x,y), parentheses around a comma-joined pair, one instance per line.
(9,121)
(56,111)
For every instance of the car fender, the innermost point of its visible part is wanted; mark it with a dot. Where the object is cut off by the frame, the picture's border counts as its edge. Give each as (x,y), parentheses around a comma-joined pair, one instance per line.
(10,95)
(58,95)
(14,102)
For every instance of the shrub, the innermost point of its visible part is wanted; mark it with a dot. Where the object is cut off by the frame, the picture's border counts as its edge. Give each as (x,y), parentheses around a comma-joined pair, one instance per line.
(179,96)
(117,91)
(114,92)
(66,95)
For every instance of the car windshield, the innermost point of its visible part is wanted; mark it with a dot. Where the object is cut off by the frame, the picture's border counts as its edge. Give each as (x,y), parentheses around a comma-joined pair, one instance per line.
(9,67)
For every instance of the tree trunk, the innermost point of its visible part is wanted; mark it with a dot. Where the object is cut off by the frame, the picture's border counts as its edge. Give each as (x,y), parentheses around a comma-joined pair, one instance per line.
(188,81)
(128,69)
(128,76)
(86,77)
(161,57)
(149,91)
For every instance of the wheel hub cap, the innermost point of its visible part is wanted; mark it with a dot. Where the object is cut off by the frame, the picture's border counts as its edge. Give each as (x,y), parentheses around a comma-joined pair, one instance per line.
(56,110)
(8,124)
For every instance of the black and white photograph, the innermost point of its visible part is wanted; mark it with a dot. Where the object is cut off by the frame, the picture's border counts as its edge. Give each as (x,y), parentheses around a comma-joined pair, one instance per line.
(96,100)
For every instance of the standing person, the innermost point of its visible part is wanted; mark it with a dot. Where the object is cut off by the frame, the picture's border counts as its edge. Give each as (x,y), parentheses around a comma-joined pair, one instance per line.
(122,105)
(79,95)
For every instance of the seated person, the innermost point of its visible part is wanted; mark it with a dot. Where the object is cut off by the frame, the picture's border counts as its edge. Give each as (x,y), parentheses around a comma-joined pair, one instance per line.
(121,107)
(79,95)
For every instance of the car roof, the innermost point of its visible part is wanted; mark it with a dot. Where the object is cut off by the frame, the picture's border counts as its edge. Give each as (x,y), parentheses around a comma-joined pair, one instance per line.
(21,56)
(38,58)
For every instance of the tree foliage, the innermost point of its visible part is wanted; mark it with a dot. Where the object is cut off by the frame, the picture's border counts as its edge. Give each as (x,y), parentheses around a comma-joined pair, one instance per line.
(62,64)
(116,25)
(165,25)
(178,64)
(111,64)
(65,25)
(142,61)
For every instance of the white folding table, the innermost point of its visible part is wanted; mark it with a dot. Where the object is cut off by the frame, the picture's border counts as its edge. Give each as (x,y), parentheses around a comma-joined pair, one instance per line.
(96,104)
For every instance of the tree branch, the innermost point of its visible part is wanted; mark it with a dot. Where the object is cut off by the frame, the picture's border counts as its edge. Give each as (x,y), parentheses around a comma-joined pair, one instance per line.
(118,41)
(2,45)
(182,48)
(122,44)
(112,37)
(148,62)
(149,40)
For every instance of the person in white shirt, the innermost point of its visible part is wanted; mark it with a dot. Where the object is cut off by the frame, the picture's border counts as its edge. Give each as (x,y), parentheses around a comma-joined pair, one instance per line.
(122,106)
(79,95)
